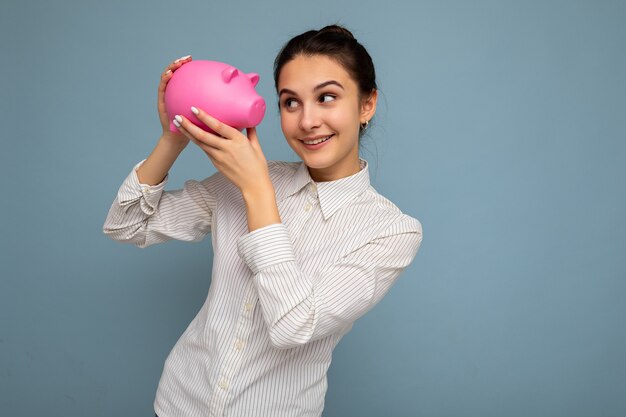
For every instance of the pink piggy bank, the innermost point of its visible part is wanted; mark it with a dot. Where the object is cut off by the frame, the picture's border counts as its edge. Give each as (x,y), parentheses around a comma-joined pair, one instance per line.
(219,89)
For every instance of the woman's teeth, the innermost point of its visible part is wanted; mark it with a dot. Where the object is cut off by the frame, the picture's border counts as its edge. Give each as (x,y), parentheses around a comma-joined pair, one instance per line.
(315,142)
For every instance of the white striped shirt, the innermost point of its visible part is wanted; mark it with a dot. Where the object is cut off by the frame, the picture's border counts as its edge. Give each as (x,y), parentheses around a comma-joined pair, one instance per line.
(281,297)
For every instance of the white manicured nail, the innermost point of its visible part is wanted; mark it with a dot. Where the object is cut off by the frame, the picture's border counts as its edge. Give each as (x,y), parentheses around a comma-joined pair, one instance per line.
(178,118)
(194,110)
(181,58)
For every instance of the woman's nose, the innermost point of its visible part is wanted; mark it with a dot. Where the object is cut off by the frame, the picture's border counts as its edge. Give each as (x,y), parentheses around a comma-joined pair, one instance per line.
(309,118)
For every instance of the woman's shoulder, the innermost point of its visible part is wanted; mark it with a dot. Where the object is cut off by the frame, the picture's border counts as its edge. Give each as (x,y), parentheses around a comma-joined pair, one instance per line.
(382,207)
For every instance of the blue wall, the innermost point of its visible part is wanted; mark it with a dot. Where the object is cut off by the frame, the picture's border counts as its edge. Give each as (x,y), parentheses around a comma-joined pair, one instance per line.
(501,127)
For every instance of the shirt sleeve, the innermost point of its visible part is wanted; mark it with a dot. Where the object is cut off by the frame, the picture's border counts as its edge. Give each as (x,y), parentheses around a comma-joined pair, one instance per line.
(299,308)
(146,214)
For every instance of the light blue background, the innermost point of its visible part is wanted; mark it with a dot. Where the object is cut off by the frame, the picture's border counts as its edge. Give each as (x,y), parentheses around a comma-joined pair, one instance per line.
(501,127)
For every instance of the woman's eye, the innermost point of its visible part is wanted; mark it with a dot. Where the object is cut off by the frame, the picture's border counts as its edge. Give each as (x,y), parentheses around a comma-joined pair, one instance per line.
(325,98)
(290,103)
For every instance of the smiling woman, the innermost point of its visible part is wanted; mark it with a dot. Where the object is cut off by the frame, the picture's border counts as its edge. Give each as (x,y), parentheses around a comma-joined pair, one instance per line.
(301,249)
(321,112)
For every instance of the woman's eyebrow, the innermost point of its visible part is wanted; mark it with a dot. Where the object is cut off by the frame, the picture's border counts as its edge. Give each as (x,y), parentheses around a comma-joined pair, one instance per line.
(286,91)
(331,82)
(317,87)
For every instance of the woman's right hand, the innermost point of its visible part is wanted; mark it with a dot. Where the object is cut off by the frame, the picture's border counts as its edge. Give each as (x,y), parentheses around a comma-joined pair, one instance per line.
(163,117)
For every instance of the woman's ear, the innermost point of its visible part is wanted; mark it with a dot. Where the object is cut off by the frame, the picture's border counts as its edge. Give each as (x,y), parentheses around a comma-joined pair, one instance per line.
(368,106)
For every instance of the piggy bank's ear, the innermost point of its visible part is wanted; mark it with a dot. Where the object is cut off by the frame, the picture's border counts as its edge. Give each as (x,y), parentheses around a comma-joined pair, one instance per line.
(229,73)
(254,78)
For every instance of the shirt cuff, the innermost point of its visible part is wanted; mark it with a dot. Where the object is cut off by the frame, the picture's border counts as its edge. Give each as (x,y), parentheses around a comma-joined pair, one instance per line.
(266,246)
(132,190)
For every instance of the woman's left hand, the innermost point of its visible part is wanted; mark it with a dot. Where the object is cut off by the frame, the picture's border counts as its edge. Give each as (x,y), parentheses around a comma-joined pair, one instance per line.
(238,157)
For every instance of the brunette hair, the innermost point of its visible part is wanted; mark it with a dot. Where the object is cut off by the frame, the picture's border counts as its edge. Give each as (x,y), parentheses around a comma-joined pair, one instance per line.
(337,43)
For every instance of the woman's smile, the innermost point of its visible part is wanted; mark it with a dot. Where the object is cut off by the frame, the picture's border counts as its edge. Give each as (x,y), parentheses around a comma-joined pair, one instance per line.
(317,142)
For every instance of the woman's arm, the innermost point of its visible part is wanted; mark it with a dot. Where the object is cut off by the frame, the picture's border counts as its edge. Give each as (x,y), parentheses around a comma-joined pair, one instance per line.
(144,214)
(240,159)
(299,308)
(171,144)
(261,206)
(154,170)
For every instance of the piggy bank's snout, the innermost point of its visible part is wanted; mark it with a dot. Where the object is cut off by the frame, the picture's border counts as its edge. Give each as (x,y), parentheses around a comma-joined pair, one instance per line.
(257,111)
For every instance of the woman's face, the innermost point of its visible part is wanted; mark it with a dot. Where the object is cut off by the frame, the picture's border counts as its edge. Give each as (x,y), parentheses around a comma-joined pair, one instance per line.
(319,100)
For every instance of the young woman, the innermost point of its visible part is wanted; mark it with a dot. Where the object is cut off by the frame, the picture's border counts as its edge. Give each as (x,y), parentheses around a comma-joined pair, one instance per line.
(301,249)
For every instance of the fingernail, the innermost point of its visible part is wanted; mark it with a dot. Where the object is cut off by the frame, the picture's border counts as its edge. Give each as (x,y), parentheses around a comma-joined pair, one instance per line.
(178,118)
(167,72)
(194,110)
(176,123)
(181,58)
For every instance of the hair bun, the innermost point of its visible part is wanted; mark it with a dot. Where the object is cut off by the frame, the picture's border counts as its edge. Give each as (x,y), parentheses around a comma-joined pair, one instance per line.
(337,29)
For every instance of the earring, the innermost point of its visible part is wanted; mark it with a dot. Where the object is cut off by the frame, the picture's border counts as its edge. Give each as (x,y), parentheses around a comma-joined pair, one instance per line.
(364,125)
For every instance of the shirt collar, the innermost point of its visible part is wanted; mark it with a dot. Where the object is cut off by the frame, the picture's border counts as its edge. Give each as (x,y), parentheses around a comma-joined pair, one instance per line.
(332,195)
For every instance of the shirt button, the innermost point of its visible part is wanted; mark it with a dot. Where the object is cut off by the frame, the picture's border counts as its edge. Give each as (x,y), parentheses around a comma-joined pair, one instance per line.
(238,345)
(307,207)
(313,187)
(223,384)
(248,306)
